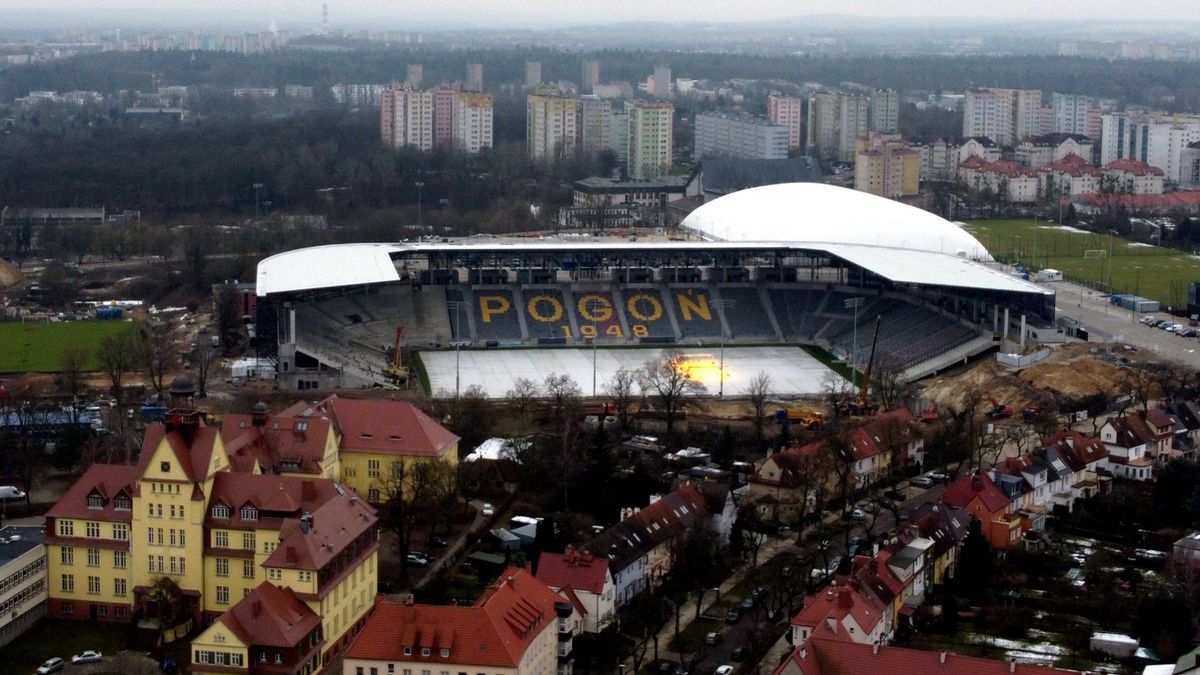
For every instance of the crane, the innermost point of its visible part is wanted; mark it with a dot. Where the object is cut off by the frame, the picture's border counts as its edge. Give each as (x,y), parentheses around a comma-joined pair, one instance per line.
(863,404)
(395,371)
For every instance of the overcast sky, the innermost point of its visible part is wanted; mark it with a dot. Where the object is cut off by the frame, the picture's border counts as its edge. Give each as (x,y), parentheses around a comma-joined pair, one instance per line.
(482,13)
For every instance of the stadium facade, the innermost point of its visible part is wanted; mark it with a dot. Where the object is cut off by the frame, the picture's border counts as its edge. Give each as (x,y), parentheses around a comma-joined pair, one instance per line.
(798,263)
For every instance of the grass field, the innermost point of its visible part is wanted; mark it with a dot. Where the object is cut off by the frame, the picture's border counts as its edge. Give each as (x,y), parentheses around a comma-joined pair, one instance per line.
(37,347)
(1160,274)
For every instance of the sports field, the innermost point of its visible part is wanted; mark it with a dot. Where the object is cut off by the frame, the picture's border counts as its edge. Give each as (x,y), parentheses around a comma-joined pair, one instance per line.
(38,347)
(1158,273)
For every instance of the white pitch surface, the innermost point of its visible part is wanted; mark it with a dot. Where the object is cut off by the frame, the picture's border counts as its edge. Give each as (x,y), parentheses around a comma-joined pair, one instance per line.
(793,371)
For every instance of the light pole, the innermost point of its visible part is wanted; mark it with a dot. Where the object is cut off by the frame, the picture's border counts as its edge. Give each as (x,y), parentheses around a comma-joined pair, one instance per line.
(722,304)
(854,303)
(257,187)
(420,186)
(457,306)
(591,310)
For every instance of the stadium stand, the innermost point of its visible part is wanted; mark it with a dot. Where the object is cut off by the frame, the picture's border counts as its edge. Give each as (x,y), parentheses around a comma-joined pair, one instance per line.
(497,317)
(648,317)
(745,314)
(695,312)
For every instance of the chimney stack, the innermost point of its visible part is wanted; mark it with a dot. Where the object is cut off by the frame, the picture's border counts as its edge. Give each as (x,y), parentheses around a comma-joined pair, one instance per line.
(942,658)
(306,522)
(875,648)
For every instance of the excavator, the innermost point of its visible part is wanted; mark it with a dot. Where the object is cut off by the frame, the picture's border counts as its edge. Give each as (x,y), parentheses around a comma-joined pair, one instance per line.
(999,410)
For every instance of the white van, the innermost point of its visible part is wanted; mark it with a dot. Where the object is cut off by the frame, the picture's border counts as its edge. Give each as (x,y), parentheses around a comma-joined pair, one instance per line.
(8,492)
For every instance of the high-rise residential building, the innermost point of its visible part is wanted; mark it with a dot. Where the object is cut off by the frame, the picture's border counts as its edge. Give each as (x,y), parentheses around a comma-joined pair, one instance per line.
(443,113)
(853,124)
(474,77)
(1007,116)
(551,127)
(406,117)
(1070,112)
(590,77)
(824,114)
(661,81)
(594,132)
(650,138)
(533,74)
(416,73)
(739,137)
(885,165)
(1159,140)
(472,121)
(618,136)
(885,111)
(787,111)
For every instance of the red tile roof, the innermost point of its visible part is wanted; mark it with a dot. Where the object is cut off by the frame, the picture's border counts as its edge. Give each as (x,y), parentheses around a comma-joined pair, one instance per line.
(825,656)
(962,491)
(271,616)
(650,527)
(336,524)
(577,569)
(381,426)
(837,602)
(282,443)
(1133,166)
(1079,450)
(275,497)
(495,631)
(1183,199)
(193,447)
(107,480)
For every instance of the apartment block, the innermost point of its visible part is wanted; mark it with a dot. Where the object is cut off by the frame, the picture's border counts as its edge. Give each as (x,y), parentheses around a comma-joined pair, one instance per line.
(533,74)
(650,139)
(739,137)
(885,165)
(835,121)
(594,132)
(1007,116)
(618,136)
(1158,139)
(885,111)
(551,127)
(472,130)
(444,96)
(23,595)
(406,117)
(1070,112)
(788,111)
(590,77)
(415,75)
(853,124)
(474,77)
(661,81)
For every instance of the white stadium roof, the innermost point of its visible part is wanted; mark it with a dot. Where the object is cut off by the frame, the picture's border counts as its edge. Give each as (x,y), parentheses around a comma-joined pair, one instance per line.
(893,240)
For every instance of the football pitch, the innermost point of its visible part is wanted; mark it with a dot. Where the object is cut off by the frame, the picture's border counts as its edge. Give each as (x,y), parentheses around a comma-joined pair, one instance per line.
(1157,273)
(37,347)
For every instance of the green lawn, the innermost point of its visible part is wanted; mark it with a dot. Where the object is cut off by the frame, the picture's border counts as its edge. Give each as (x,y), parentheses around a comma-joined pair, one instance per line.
(32,347)
(1157,273)
(56,637)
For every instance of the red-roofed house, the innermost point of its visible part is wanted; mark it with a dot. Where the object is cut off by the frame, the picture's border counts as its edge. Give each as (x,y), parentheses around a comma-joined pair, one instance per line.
(1015,183)
(792,482)
(270,630)
(1136,176)
(1134,441)
(843,612)
(518,627)
(582,577)
(826,656)
(978,495)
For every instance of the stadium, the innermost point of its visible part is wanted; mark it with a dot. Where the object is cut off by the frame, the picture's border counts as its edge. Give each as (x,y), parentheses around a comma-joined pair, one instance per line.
(768,279)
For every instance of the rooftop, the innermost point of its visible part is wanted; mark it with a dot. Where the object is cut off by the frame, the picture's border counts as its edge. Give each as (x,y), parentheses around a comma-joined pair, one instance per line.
(16,541)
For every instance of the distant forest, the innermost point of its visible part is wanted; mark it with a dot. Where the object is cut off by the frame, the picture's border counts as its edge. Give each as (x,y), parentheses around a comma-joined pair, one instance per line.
(1173,85)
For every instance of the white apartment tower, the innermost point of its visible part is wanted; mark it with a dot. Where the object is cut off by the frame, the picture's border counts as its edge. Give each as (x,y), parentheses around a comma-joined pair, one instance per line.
(885,111)
(474,77)
(739,137)
(852,125)
(787,111)
(472,121)
(416,73)
(661,81)
(533,74)
(594,132)
(650,138)
(618,136)
(1006,116)
(590,77)
(551,127)
(1070,112)
(406,117)
(1159,140)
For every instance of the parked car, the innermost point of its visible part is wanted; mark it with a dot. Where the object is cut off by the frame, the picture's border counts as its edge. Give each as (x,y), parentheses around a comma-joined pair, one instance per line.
(488,510)
(438,542)
(858,514)
(10,492)
(1148,319)
(938,477)
(747,603)
(724,670)
(417,559)
(921,482)
(88,656)
(738,653)
(895,495)
(51,666)
(733,616)
(869,507)
(169,666)
(1190,332)
(712,638)
(760,592)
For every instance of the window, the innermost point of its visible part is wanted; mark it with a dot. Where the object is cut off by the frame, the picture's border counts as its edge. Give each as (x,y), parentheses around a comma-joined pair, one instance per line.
(407,652)
(183,565)
(67,607)
(121,612)
(123,503)
(275,575)
(158,509)
(249,513)
(182,538)
(150,564)
(425,652)
(172,510)
(248,569)
(93,585)
(120,532)
(172,538)
(150,535)
(262,658)
(373,494)
(160,563)
(68,583)
(279,657)
(373,468)
(222,595)
(67,555)
(164,467)
(101,610)
(160,536)
(173,568)
(66,528)
(150,510)
(221,539)
(220,511)
(119,588)
(119,559)
(445,654)
(248,541)
(93,557)
(222,567)
(95,502)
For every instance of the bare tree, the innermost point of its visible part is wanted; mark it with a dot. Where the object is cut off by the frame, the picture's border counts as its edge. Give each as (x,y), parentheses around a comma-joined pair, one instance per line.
(203,358)
(759,392)
(667,380)
(523,395)
(414,492)
(891,388)
(621,392)
(117,354)
(159,354)
(563,392)
(73,364)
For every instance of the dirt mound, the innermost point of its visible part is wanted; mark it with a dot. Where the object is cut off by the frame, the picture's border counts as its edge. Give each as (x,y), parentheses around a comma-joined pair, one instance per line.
(9,274)
(1077,378)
